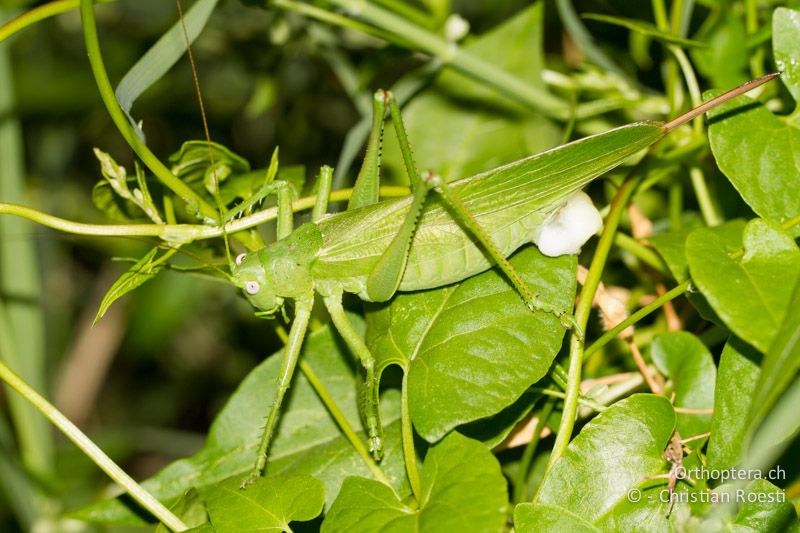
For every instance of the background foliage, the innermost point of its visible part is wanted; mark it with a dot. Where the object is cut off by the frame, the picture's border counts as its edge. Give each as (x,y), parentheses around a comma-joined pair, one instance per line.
(183,351)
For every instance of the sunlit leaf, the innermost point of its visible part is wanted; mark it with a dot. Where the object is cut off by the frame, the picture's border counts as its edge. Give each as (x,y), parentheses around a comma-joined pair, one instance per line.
(542,517)
(758,152)
(746,286)
(473,348)
(269,504)
(594,477)
(786,47)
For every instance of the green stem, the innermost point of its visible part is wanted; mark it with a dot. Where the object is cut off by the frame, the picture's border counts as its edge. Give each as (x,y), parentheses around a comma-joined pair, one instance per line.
(675,16)
(136,491)
(707,207)
(21,287)
(642,252)
(751,24)
(636,317)
(558,375)
(521,481)
(341,421)
(671,83)
(583,400)
(330,18)
(409,12)
(24,497)
(660,15)
(584,40)
(691,84)
(38,14)
(792,222)
(409,453)
(124,127)
(583,309)
(179,233)
(680,56)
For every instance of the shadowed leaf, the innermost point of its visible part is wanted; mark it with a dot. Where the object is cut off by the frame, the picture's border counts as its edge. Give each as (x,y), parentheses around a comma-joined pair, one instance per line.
(462,490)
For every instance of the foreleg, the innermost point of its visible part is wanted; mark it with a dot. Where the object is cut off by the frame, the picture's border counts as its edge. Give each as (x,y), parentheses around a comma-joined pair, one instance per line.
(291,352)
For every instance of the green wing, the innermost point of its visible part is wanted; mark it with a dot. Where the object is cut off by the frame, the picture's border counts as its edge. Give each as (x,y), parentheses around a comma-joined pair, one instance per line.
(510,202)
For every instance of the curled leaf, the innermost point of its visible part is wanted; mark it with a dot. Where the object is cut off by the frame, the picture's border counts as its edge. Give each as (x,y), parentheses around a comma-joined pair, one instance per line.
(144,270)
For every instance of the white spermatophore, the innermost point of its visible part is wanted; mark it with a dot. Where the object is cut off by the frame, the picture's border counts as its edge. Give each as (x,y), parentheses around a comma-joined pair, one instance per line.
(570,227)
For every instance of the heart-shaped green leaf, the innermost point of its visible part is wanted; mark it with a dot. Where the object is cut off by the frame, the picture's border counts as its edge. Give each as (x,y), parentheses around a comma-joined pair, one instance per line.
(472,349)
(759,154)
(599,476)
(269,504)
(747,289)
(463,489)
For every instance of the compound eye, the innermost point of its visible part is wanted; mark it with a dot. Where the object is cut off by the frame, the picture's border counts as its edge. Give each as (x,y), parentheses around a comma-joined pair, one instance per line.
(251,287)
(240,258)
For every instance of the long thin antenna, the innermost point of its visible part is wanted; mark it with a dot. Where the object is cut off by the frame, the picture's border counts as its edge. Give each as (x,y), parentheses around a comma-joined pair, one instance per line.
(199,93)
(714,102)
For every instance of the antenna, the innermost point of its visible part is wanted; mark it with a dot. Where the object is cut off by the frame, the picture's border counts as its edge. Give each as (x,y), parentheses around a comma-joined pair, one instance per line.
(199,93)
(717,100)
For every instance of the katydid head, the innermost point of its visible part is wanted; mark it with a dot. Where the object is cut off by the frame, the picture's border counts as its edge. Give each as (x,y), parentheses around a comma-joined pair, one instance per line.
(249,274)
(279,271)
